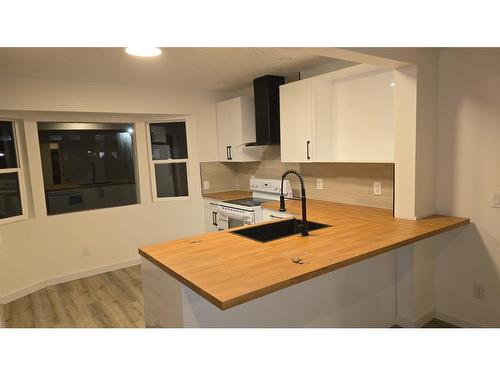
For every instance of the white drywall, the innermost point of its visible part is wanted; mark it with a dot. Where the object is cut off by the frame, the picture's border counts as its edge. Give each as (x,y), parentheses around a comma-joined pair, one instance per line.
(468,174)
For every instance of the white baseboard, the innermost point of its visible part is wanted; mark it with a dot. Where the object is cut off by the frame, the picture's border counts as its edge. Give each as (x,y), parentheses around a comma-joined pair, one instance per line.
(64,278)
(434,314)
(455,321)
(408,323)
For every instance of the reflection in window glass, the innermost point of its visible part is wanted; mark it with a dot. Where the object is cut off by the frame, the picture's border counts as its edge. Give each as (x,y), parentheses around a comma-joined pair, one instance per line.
(8,158)
(171,180)
(10,197)
(168,140)
(87,167)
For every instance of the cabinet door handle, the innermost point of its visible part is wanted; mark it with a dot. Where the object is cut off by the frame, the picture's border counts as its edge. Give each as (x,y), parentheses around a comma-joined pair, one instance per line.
(307,147)
(230,156)
(227,152)
(214,218)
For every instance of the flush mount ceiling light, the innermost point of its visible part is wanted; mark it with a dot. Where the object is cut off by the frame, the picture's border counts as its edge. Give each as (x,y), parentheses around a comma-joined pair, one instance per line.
(143,51)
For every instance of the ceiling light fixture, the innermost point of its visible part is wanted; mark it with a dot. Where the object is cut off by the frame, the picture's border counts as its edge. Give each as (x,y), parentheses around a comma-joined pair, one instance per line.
(143,51)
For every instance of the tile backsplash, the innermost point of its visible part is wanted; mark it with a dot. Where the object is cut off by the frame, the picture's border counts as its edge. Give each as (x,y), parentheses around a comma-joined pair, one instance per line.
(342,182)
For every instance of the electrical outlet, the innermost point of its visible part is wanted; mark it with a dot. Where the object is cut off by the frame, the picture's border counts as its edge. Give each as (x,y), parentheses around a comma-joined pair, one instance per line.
(319,183)
(377,188)
(206,185)
(85,252)
(478,291)
(496,200)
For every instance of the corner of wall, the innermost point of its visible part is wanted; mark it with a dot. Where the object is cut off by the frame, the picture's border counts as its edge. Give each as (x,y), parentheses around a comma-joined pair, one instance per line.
(2,315)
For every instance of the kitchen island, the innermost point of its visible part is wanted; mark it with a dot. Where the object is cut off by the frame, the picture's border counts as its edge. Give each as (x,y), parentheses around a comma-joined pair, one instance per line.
(225,280)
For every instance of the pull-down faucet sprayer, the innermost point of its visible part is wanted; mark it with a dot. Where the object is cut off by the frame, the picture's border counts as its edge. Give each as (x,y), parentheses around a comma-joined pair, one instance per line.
(304,227)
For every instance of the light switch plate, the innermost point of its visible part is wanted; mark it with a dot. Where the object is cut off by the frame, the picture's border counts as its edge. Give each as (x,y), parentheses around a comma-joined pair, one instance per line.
(377,188)
(206,185)
(319,183)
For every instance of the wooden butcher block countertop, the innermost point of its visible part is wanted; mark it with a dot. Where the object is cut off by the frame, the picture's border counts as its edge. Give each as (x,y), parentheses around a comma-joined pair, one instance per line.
(228,195)
(229,269)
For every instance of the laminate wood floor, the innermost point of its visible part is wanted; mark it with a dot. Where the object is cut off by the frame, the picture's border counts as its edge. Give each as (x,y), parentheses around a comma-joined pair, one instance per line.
(109,300)
(112,299)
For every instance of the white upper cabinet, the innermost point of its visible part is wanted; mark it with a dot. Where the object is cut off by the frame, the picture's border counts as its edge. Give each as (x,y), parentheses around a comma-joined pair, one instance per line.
(296,116)
(235,127)
(344,116)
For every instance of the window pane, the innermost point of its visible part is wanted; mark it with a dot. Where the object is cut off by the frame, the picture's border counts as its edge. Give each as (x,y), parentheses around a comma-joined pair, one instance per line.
(10,196)
(87,168)
(171,180)
(168,141)
(8,158)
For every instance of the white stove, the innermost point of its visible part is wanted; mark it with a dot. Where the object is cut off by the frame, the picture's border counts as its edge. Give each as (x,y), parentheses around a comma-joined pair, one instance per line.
(247,211)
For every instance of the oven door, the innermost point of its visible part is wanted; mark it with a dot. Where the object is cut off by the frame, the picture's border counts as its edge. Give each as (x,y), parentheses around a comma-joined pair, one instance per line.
(228,222)
(229,217)
(236,222)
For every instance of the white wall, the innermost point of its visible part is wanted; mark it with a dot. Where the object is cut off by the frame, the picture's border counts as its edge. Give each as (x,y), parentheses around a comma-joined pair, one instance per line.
(468,174)
(43,248)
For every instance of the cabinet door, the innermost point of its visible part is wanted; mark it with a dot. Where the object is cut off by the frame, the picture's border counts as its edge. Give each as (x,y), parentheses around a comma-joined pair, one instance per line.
(223,129)
(235,127)
(296,106)
(363,118)
(210,216)
(243,116)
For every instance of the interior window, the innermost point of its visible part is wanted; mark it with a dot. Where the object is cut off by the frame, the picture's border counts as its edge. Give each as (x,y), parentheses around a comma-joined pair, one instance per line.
(87,166)
(169,154)
(10,190)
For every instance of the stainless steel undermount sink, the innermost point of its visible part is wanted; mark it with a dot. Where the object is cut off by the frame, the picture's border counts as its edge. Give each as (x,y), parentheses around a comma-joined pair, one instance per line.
(276,230)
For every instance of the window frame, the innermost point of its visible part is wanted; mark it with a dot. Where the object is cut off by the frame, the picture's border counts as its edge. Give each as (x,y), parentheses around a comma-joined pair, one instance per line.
(152,163)
(20,175)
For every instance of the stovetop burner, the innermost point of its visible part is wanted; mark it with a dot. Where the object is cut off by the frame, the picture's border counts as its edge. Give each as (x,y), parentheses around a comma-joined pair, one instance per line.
(248,202)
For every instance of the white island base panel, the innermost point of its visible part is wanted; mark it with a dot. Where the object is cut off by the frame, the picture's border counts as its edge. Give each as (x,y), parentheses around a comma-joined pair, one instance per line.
(359,295)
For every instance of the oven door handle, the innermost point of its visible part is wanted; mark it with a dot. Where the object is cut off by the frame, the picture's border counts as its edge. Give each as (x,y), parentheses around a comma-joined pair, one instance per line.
(237,216)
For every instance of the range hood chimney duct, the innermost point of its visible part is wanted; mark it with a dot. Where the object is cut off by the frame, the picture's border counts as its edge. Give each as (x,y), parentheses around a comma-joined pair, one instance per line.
(267,110)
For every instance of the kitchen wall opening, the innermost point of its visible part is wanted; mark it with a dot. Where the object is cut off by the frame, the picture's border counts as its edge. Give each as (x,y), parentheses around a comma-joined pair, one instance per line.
(87,165)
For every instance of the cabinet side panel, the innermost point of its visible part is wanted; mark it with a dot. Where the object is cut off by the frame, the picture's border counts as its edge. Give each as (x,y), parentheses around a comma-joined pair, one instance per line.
(162,297)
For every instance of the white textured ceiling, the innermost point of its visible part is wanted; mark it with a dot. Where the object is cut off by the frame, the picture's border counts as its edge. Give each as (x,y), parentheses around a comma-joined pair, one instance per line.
(189,68)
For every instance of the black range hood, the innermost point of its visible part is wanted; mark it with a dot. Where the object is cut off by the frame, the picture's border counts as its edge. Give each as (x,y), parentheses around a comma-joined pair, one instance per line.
(267,110)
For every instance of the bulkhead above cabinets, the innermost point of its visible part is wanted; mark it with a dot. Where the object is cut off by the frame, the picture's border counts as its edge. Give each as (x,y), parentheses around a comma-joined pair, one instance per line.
(235,128)
(343,116)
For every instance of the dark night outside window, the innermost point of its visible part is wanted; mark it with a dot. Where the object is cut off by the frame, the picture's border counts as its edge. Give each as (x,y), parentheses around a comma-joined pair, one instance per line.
(87,166)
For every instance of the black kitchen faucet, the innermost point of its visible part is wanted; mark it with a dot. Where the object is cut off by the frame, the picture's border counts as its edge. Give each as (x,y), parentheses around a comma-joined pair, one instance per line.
(304,227)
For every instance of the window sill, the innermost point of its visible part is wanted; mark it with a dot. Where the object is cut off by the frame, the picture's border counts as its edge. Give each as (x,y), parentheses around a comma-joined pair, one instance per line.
(172,199)
(14,219)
